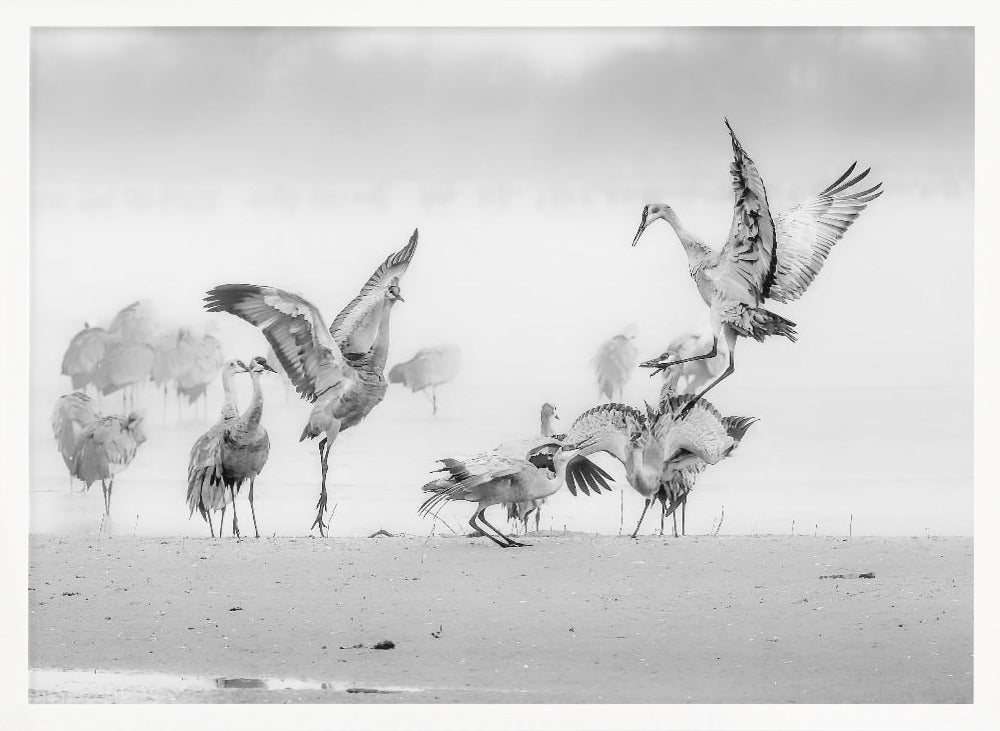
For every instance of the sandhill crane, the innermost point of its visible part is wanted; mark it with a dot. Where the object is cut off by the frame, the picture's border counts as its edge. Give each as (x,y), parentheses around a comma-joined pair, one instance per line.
(339,370)
(202,368)
(428,369)
(522,511)
(173,355)
(658,447)
(85,352)
(232,452)
(124,366)
(492,478)
(107,446)
(134,323)
(71,415)
(762,258)
(614,363)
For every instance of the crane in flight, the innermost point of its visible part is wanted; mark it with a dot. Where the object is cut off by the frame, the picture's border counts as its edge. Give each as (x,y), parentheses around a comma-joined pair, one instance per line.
(763,258)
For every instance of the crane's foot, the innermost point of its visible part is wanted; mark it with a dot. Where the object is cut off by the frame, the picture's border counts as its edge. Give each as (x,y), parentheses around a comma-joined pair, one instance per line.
(517,544)
(320,511)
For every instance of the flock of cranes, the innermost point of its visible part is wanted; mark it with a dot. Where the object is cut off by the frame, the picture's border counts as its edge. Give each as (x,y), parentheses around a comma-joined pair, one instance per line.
(340,370)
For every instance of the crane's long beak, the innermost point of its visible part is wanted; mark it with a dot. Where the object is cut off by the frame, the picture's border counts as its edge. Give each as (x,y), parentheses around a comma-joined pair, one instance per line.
(642,227)
(267,366)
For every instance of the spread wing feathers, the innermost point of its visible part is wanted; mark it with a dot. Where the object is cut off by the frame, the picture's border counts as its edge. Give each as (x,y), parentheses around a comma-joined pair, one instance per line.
(737,426)
(614,363)
(607,428)
(747,262)
(356,326)
(106,446)
(586,475)
(206,488)
(806,233)
(294,328)
(71,415)
(467,479)
(701,431)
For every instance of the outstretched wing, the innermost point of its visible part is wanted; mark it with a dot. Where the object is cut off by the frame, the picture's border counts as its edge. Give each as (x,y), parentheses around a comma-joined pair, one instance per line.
(748,260)
(294,328)
(806,233)
(356,326)
(606,428)
(700,431)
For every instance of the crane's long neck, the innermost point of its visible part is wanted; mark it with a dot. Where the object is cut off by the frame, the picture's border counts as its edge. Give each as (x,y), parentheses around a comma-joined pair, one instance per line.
(644,477)
(693,246)
(548,429)
(229,408)
(251,417)
(380,348)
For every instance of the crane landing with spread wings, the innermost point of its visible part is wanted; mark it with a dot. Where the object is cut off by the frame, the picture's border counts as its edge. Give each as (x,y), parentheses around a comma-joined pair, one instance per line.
(763,258)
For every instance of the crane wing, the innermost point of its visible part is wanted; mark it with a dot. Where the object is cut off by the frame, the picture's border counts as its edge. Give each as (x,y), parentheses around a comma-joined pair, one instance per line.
(356,326)
(701,431)
(85,351)
(806,233)
(294,328)
(606,428)
(205,471)
(747,261)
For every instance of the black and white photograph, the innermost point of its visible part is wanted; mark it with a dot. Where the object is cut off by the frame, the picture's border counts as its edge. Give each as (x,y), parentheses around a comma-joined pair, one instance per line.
(494,364)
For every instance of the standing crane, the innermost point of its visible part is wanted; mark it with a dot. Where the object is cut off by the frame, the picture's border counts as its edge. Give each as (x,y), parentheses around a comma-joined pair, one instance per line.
(234,450)
(428,369)
(763,258)
(71,415)
(202,368)
(124,366)
(86,350)
(339,370)
(492,478)
(522,510)
(107,445)
(173,355)
(614,363)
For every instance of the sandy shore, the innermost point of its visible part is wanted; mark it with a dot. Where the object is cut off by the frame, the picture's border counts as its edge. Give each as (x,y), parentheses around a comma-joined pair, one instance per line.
(573,618)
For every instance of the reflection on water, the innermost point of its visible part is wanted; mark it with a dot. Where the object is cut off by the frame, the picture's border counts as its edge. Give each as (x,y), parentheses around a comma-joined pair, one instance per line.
(125,685)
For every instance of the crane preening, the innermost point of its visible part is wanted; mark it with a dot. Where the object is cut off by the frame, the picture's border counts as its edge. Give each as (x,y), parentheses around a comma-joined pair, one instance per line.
(763,257)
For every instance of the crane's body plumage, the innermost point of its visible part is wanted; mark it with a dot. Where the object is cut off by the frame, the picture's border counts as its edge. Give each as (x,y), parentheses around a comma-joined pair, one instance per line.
(428,369)
(614,364)
(72,414)
(522,510)
(764,257)
(340,369)
(107,445)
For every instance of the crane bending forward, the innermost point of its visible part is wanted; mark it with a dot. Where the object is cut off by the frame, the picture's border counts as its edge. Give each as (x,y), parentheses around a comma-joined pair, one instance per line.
(763,258)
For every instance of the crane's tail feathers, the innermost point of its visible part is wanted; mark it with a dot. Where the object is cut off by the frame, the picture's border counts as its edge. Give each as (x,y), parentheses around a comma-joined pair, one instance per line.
(443,490)
(758,323)
(583,474)
(736,426)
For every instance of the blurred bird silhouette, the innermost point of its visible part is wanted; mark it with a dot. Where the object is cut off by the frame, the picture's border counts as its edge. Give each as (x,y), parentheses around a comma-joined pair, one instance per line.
(106,446)
(234,450)
(125,366)
(614,363)
(86,350)
(201,369)
(691,375)
(71,415)
(339,370)
(763,258)
(428,369)
(173,355)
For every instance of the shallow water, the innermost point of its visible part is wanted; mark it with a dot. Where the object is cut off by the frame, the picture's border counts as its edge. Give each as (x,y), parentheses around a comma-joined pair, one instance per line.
(843,471)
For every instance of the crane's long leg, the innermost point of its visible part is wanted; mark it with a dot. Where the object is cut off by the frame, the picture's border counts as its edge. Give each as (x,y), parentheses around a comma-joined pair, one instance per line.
(663,366)
(675,524)
(222,518)
(256,532)
(236,526)
(538,518)
(663,519)
(479,529)
(684,502)
(482,517)
(731,342)
(645,508)
(324,456)
(211,528)
(434,401)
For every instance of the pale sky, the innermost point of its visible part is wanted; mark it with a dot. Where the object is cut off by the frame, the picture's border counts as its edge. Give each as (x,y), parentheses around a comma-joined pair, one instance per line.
(165,161)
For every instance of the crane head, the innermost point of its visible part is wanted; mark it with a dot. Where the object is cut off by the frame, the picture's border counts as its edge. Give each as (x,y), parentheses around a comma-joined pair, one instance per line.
(392,293)
(649,214)
(259,364)
(235,366)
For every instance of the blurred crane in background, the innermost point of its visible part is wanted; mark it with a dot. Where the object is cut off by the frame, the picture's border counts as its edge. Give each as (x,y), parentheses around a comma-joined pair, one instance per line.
(428,369)
(614,363)
(71,415)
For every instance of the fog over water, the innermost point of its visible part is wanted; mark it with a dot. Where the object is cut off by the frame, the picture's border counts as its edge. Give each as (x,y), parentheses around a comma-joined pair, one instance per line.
(166,162)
